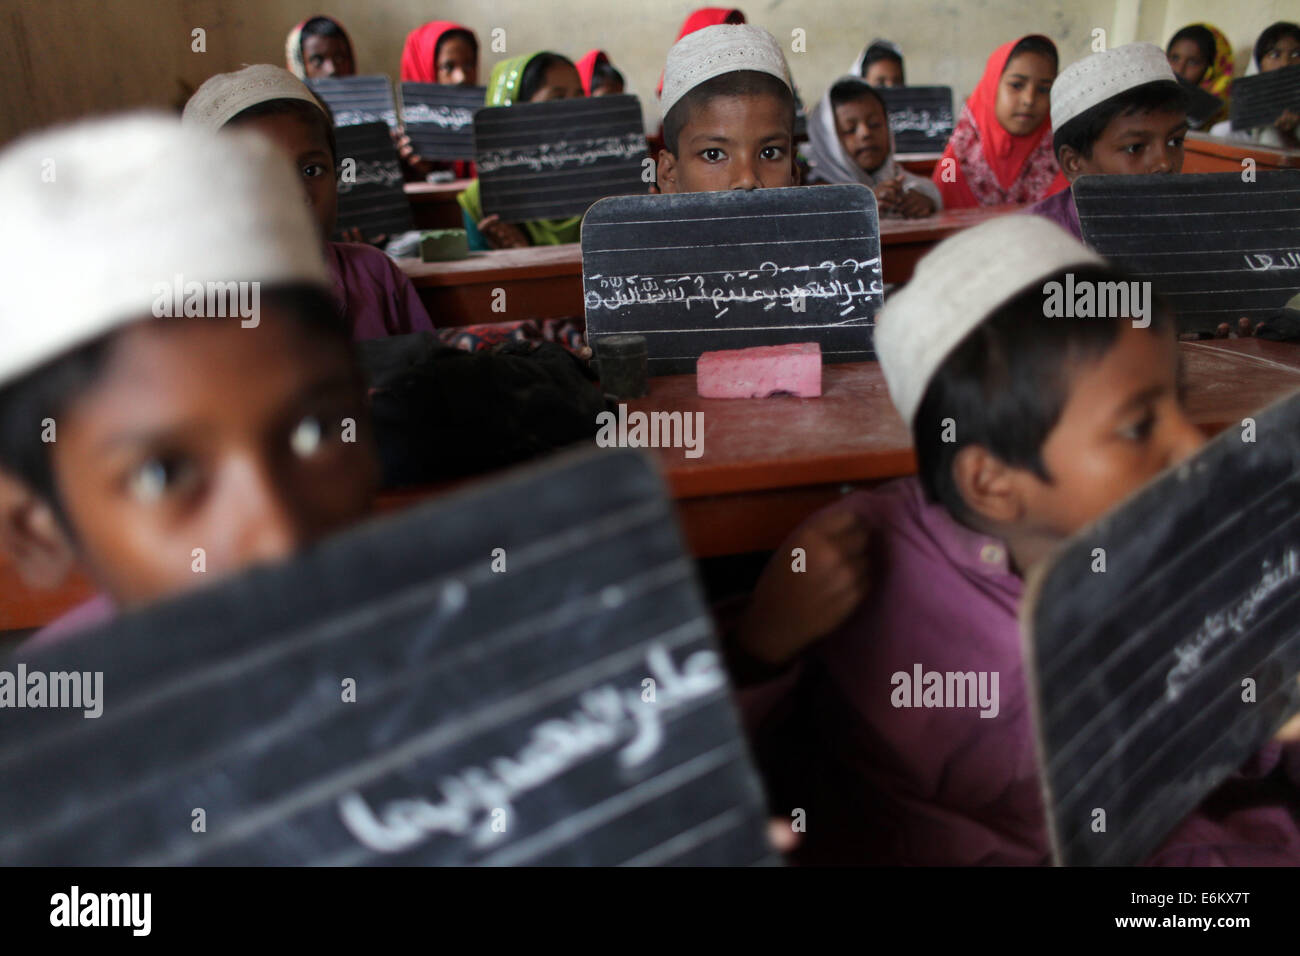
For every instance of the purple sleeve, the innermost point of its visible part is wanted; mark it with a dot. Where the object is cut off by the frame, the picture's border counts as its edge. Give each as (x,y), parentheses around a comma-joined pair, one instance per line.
(408,310)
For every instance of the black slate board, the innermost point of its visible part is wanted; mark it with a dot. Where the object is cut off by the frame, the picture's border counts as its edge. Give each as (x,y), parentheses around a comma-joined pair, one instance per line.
(1215,247)
(1135,676)
(230,700)
(1259,100)
(553,160)
(358,99)
(1202,105)
(376,202)
(697,272)
(920,117)
(439,118)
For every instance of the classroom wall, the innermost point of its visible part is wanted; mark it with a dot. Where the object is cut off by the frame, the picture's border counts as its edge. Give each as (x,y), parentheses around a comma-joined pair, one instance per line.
(61,59)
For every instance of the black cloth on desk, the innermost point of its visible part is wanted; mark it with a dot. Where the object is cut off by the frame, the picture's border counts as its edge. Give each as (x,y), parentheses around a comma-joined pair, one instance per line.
(441,413)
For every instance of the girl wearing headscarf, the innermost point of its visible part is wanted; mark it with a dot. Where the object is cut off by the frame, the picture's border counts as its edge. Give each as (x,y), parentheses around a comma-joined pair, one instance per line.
(1277,48)
(318,48)
(1202,56)
(880,64)
(1001,149)
(599,78)
(523,79)
(849,141)
(437,52)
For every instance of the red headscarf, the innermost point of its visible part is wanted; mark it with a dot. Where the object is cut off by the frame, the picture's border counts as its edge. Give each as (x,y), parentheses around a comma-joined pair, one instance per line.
(992,165)
(701,18)
(587,66)
(420,50)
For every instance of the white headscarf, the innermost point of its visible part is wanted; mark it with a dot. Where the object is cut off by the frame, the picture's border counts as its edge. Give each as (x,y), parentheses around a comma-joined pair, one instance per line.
(890,45)
(829,160)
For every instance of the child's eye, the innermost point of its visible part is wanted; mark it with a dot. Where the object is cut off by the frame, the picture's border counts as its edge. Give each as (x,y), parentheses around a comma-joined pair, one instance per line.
(712,155)
(1177,142)
(312,170)
(1133,148)
(771,153)
(307,436)
(1140,430)
(153,479)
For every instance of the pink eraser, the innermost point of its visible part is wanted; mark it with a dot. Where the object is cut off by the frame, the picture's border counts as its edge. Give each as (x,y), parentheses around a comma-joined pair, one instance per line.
(761,371)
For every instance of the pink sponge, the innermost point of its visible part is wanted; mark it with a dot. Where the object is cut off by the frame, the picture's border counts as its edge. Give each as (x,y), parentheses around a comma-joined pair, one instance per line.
(761,371)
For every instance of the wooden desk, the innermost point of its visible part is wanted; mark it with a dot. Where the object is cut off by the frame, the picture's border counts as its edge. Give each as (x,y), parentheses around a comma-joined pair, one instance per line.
(434,206)
(544,282)
(769,463)
(1213,154)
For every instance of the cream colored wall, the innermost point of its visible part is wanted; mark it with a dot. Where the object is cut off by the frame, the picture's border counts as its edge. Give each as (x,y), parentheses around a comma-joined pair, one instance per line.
(65,58)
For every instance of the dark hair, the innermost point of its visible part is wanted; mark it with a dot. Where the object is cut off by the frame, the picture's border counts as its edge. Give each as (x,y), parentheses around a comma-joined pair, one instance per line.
(456,34)
(1007,383)
(324,27)
(1034,44)
(1199,35)
(1271,35)
(318,116)
(535,73)
(604,74)
(877,52)
(851,90)
(1082,132)
(48,390)
(735,83)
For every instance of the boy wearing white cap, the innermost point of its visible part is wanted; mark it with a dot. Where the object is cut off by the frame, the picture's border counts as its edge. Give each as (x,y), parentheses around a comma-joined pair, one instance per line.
(728,112)
(183,401)
(1026,429)
(1118,112)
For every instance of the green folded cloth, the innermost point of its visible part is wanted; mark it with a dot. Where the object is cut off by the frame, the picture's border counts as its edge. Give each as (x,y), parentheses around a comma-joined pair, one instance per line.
(438,245)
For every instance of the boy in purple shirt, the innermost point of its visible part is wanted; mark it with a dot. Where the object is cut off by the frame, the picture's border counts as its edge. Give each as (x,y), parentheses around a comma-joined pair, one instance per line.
(1026,429)
(1118,112)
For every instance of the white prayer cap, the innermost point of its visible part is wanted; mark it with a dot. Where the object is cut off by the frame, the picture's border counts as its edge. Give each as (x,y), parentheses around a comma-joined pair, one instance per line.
(1098,77)
(223,97)
(713,51)
(100,213)
(956,286)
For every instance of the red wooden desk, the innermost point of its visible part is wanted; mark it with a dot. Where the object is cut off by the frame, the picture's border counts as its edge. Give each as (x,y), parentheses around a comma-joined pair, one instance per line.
(434,206)
(1212,154)
(543,282)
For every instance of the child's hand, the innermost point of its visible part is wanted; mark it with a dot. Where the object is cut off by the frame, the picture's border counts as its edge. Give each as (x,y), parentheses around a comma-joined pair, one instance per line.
(790,609)
(1287,122)
(354,235)
(407,154)
(502,235)
(888,194)
(915,205)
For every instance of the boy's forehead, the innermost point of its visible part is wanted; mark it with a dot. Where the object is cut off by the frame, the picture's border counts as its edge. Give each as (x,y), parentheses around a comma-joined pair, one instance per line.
(1142,120)
(736,115)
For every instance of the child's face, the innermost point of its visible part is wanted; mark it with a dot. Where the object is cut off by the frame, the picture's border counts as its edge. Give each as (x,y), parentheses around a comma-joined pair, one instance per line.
(864,132)
(326,56)
(457,64)
(200,433)
(1285,52)
(1025,93)
(306,145)
(1187,61)
(732,142)
(884,73)
(1142,143)
(612,88)
(561,83)
(1122,424)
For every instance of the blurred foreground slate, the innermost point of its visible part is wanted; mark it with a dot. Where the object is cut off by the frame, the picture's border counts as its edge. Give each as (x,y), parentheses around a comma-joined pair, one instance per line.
(1138,672)
(483,697)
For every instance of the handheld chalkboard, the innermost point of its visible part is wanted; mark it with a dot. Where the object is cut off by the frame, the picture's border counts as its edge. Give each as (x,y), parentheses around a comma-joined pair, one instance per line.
(474,682)
(439,118)
(357,99)
(697,272)
(1202,105)
(1259,100)
(371,195)
(1217,246)
(553,160)
(920,117)
(1163,642)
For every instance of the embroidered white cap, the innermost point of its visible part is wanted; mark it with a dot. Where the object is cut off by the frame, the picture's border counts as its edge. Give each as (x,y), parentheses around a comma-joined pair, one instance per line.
(1096,78)
(956,286)
(713,51)
(100,214)
(223,97)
